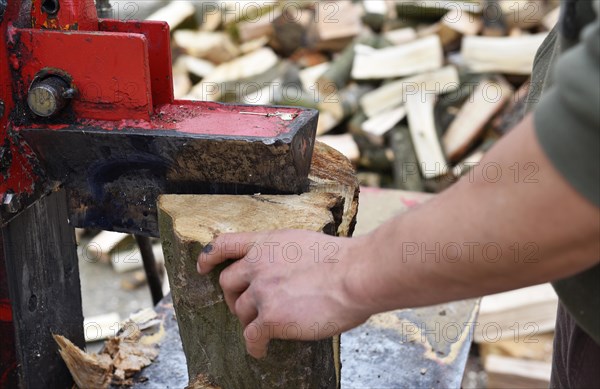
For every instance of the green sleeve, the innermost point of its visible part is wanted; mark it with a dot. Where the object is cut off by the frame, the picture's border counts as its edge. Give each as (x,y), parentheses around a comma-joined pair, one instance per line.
(567,119)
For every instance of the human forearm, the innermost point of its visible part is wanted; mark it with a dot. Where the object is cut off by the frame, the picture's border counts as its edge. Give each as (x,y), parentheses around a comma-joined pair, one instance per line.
(512,222)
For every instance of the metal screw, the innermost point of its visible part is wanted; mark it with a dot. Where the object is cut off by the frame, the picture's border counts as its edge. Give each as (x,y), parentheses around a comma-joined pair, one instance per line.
(1,108)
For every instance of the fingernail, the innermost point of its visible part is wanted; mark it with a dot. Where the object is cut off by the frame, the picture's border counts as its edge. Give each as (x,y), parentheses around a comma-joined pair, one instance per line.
(207,249)
(198,267)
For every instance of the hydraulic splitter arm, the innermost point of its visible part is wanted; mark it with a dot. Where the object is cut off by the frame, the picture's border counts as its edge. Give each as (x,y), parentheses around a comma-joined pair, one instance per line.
(91,108)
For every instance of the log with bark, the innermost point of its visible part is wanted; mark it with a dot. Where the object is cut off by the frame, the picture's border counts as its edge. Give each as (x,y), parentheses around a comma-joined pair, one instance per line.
(212,336)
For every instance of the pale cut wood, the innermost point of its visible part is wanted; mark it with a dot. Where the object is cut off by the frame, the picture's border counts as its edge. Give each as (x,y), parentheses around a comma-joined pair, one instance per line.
(485,102)
(174,13)
(378,125)
(211,17)
(401,35)
(524,14)
(397,61)
(419,107)
(197,66)
(243,68)
(511,55)
(551,19)
(537,347)
(345,102)
(343,143)
(212,336)
(464,23)
(257,27)
(392,95)
(466,164)
(88,371)
(327,122)
(337,20)
(101,327)
(310,75)
(216,47)
(331,172)
(499,312)
(505,372)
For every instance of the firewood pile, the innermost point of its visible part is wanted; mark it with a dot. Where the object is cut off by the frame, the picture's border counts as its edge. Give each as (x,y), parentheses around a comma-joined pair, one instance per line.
(412,92)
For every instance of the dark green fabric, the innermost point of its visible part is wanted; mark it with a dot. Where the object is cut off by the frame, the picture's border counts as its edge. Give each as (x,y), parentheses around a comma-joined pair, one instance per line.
(567,121)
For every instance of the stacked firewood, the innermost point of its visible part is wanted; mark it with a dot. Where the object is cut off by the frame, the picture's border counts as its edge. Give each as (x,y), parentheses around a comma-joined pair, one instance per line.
(412,92)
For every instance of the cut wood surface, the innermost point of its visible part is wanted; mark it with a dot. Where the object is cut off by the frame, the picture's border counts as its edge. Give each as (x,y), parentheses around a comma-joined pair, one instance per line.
(344,143)
(398,61)
(511,55)
(190,222)
(393,94)
(331,172)
(175,13)
(506,372)
(535,305)
(424,135)
(337,20)
(216,47)
(401,35)
(212,336)
(378,125)
(485,102)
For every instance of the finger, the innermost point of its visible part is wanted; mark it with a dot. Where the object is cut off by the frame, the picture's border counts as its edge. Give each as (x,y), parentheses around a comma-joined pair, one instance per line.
(234,282)
(246,309)
(257,339)
(224,247)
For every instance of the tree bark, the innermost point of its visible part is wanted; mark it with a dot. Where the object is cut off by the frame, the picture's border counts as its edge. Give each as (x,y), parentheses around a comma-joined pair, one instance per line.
(212,337)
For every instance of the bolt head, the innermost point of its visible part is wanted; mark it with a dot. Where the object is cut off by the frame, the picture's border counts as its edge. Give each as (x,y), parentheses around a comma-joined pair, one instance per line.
(46,98)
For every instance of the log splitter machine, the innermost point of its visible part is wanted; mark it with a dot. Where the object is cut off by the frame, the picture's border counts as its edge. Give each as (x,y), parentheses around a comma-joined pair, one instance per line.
(90,136)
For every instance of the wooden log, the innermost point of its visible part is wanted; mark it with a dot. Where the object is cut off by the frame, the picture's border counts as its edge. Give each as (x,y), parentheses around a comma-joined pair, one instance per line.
(257,27)
(212,336)
(551,19)
(506,372)
(511,55)
(407,175)
(485,102)
(533,308)
(337,75)
(376,12)
(523,14)
(400,36)
(345,102)
(376,127)
(392,95)
(336,20)
(331,172)
(290,30)
(343,143)
(216,47)
(456,24)
(177,14)
(245,68)
(398,61)
(419,107)
(514,111)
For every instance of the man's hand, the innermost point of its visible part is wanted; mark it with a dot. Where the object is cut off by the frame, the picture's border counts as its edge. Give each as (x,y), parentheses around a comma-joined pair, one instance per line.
(288,284)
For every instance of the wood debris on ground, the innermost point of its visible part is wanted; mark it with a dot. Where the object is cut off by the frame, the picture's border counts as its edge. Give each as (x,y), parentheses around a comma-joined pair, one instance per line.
(122,356)
(415,91)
